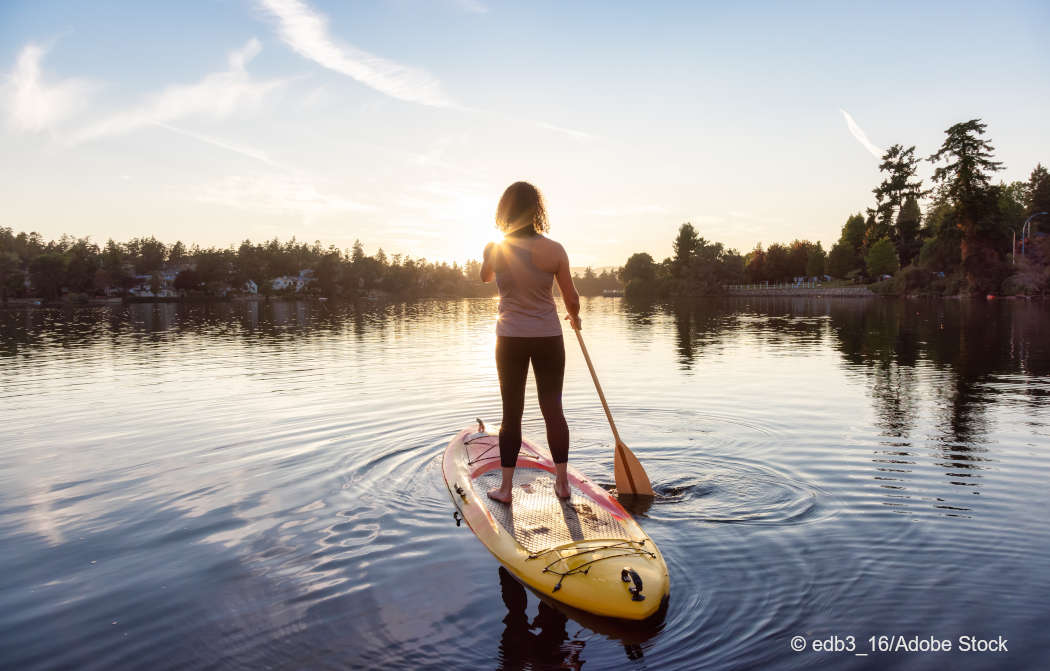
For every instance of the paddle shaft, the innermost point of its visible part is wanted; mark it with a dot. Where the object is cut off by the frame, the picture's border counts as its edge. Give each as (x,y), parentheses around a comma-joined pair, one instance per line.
(601,395)
(598,386)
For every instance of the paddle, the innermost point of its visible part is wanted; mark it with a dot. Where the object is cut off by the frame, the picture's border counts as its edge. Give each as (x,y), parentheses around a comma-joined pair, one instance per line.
(629,474)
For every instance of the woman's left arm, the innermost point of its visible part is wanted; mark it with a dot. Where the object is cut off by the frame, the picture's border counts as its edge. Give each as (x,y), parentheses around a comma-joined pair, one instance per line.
(487,272)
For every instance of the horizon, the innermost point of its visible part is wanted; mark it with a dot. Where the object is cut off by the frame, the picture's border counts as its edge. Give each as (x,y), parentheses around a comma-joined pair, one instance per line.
(333,123)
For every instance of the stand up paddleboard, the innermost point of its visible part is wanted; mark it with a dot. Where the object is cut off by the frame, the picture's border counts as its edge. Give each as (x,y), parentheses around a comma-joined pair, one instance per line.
(585,551)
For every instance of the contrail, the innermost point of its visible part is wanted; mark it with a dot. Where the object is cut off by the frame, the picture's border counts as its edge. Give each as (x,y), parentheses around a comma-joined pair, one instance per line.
(860,135)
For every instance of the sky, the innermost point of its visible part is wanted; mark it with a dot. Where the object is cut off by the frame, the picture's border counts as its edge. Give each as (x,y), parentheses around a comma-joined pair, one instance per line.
(400,122)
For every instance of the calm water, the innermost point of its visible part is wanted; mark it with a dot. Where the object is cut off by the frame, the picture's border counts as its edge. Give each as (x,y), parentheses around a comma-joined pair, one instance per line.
(246,486)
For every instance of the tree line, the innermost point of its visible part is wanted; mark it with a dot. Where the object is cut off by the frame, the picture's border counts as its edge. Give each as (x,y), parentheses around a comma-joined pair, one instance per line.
(31,267)
(964,241)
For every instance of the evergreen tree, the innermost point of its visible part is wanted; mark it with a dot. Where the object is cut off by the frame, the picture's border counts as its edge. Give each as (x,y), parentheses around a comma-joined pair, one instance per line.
(966,177)
(177,253)
(965,182)
(899,185)
(358,253)
(909,221)
(685,246)
(1039,193)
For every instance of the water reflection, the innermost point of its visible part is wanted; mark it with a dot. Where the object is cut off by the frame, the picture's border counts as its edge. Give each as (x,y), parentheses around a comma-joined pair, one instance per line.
(956,356)
(252,484)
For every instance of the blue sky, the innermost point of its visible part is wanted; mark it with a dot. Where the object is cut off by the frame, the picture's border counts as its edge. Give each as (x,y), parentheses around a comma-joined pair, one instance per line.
(399,122)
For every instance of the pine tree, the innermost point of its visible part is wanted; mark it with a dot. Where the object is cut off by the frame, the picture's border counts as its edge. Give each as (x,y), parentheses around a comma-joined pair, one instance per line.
(900,184)
(965,183)
(1039,192)
(909,221)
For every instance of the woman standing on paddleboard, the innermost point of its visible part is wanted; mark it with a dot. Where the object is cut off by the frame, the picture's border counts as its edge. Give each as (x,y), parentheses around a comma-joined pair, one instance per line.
(525,265)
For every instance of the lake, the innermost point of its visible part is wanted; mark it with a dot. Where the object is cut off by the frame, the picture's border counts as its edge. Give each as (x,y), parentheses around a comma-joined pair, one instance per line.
(259,485)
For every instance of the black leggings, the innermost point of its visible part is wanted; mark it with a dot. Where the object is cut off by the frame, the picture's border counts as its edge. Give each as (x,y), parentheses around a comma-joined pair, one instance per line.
(548,365)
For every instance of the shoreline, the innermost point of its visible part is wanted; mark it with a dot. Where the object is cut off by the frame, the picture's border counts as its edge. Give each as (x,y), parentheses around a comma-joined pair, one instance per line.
(836,292)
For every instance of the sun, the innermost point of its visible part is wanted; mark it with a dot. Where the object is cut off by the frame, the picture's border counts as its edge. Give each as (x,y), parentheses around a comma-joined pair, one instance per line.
(487,232)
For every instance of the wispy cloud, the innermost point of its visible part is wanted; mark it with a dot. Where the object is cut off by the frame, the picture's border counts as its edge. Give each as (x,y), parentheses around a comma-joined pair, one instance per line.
(276,194)
(306,32)
(35,106)
(575,134)
(217,96)
(248,152)
(860,135)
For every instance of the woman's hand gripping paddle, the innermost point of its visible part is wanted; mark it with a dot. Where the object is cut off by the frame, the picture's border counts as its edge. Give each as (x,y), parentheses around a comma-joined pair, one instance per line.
(629,474)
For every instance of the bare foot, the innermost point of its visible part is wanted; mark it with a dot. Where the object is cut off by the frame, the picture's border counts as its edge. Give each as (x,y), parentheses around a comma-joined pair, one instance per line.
(561,488)
(499,495)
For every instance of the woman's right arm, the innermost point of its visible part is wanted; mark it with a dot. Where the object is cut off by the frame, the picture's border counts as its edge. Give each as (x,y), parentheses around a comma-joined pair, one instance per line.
(487,273)
(569,294)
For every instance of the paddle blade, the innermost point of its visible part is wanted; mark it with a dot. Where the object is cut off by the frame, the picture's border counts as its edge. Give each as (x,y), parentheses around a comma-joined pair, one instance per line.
(630,476)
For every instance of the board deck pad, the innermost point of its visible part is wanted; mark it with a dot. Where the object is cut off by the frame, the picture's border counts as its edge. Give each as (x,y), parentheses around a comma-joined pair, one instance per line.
(538,519)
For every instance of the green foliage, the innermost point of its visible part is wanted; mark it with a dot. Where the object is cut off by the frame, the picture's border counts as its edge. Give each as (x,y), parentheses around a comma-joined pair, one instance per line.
(853,233)
(940,254)
(148,254)
(47,272)
(898,188)
(781,263)
(842,259)
(875,230)
(798,256)
(846,255)
(882,258)
(755,264)
(79,266)
(964,183)
(176,253)
(908,240)
(778,262)
(698,267)
(685,245)
(10,273)
(968,158)
(816,261)
(594,284)
(639,267)
(358,253)
(1038,197)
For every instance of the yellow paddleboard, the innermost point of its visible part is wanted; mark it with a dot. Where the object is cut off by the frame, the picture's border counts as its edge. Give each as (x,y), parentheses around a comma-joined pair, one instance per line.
(586,551)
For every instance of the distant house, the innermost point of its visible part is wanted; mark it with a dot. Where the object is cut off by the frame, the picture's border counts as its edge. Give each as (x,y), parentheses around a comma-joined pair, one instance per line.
(283,282)
(251,287)
(141,286)
(295,282)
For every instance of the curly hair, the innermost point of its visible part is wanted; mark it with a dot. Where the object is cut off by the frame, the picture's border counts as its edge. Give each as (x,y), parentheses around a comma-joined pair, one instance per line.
(521,211)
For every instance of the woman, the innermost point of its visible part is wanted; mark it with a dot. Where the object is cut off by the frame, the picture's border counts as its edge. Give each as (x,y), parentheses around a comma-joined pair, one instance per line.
(525,265)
